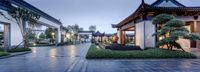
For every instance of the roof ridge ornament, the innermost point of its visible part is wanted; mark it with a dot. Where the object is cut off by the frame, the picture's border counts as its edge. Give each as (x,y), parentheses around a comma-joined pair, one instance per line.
(175,2)
(143,2)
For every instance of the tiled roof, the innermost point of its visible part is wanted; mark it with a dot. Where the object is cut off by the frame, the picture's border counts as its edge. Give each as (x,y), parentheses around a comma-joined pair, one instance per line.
(145,7)
(98,34)
(6,5)
(175,8)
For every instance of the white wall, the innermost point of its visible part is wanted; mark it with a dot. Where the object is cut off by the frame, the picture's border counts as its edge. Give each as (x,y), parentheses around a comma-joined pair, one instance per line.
(16,36)
(144,32)
(140,34)
(149,31)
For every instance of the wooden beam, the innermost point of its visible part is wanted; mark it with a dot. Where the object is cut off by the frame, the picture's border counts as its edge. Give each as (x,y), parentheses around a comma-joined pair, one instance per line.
(128,26)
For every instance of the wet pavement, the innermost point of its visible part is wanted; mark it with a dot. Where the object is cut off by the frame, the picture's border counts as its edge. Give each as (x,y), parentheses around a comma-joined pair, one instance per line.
(72,59)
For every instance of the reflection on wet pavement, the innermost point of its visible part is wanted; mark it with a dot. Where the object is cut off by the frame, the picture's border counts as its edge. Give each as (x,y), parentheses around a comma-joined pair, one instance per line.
(44,59)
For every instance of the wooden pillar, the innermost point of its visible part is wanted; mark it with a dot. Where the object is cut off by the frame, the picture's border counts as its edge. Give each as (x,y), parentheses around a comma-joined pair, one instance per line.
(119,36)
(123,37)
(192,28)
(6,37)
(135,36)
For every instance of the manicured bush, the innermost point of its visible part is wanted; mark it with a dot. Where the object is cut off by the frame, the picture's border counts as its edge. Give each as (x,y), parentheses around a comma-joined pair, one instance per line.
(172,30)
(116,46)
(95,53)
(1,49)
(19,49)
(3,54)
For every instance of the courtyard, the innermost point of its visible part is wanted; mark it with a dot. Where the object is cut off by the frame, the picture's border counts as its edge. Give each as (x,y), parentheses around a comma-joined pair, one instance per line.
(99,36)
(72,59)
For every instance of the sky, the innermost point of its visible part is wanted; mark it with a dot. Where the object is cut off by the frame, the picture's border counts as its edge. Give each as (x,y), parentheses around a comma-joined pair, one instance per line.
(101,13)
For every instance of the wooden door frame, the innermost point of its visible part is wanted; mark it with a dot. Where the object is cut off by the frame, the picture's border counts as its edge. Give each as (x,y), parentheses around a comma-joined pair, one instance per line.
(7,35)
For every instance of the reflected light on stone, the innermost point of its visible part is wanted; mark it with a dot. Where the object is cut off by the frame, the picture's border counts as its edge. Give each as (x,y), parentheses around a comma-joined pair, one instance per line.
(72,51)
(34,50)
(53,56)
(53,52)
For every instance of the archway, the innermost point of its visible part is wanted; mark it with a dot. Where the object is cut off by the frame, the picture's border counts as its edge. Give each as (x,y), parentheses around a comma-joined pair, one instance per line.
(87,34)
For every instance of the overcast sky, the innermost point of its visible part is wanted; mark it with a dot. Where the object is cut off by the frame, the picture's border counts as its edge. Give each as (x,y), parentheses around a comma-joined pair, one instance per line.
(101,13)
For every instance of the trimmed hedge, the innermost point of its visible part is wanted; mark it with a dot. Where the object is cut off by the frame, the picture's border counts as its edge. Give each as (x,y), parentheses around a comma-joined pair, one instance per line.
(1,49)
(3,54)
(39,45)
(94,53)
(122,47)
(19,49)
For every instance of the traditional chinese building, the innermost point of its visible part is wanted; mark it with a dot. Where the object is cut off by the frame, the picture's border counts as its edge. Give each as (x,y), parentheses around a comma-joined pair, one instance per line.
(141,22)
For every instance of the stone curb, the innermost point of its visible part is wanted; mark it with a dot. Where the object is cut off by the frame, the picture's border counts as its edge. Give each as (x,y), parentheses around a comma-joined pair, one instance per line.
(15,54)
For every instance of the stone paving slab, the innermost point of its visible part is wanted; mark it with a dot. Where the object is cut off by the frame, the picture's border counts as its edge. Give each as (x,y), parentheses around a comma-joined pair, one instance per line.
(168,65)
(196,51)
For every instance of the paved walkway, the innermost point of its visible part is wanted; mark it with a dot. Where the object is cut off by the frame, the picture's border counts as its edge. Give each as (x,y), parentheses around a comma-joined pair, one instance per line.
(196,51)
(72,59)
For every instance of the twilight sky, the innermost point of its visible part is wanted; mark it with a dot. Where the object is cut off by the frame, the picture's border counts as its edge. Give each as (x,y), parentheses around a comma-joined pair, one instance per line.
(101,13)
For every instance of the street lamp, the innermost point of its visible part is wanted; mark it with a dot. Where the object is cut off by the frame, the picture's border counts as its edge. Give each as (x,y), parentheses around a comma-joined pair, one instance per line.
(68,35)
(53,34)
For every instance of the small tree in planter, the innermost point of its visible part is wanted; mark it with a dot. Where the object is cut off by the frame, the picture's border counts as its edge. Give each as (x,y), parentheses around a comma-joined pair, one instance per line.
(50,34)
(172,31)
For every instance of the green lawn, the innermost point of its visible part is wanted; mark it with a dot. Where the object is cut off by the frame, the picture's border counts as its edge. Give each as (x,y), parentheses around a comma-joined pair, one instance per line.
(94,53)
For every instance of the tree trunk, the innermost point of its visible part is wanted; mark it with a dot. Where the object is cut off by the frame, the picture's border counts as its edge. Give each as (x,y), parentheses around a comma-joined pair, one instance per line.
(171,47)
(25,34)
(182,49)
(25,41)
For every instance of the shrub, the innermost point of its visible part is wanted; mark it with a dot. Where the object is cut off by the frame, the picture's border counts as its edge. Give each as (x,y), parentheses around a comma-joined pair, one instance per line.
(1,49)
(19,49)
(3,54)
